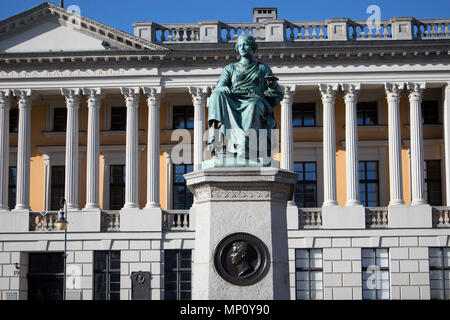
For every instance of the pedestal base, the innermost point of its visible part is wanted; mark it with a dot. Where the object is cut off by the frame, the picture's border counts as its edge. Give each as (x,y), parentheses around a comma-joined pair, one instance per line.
(230,202)
(402,216)
(147,219)
(15,221)
(348,217)
(87,220)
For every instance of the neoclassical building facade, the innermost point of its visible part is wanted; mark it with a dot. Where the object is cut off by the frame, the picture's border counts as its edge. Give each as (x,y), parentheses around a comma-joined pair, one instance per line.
(111,121)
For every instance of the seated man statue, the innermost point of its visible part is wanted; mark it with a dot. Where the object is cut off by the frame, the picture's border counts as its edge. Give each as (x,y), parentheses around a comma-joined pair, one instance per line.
(244,98)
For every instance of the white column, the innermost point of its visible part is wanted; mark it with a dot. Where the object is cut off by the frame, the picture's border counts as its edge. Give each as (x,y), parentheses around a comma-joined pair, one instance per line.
(393,93)
(23,150)
(199,100)
(328,92)
(415,122)
(71,163)
(447,141)
(351,143)
(153,102)
(4,147)
(131,153)
(93,148)
(287,160)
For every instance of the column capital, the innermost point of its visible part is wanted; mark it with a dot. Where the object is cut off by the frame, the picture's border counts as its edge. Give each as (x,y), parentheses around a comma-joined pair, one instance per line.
(153,95)
(72,96)
(393,90)
(94,96)
(131,95)
(25,96)
(199,95)
(289,92)
(351,91)
(328,91)
(415,90)
(5,98)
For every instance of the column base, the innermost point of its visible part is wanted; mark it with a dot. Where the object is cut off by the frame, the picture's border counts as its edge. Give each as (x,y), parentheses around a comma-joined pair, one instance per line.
(15,221)
(348,217)
(91,206)
(147,219)
(402,216)
(86,220)
(292,216)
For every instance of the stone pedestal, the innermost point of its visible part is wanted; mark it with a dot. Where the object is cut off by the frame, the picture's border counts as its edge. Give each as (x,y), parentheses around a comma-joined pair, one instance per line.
(147,219)
(235,206)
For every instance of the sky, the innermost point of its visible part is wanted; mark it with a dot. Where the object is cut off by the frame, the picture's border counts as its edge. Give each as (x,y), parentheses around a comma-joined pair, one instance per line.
(121,14)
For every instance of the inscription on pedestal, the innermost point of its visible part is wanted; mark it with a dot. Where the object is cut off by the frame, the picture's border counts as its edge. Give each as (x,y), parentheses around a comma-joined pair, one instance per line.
(241,259)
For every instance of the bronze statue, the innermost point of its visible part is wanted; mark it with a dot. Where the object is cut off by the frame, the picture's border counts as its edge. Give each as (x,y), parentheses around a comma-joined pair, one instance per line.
(244,98)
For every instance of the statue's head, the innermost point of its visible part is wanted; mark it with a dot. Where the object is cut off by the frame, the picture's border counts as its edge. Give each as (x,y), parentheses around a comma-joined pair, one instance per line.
(238,252)
(247,38)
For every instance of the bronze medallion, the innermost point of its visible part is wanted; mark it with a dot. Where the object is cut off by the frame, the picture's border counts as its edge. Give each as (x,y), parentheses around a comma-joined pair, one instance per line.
(241,259)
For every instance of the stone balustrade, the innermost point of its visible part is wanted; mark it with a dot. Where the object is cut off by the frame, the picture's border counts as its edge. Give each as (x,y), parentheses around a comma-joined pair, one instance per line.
(376,217)
(110,220)
(340,29)
(175,220)
(178,220)
(441,217)
(43,221)
(310,218)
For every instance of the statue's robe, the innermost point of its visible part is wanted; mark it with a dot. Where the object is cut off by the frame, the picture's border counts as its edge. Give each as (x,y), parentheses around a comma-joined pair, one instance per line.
(246,107)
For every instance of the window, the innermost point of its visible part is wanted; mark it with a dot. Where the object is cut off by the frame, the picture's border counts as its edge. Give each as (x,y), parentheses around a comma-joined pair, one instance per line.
(177,274)
(433,189)
(118,118)
(45,276)
(439,273)
(183,117)
(375,274)
(117,187)
(57,186)
(14,120)
(367,113)
(430,113)
(308,274)
(306,188)
(304,114)
(59,119)
(368,183)
(12,182)
(107,275)
(183,197)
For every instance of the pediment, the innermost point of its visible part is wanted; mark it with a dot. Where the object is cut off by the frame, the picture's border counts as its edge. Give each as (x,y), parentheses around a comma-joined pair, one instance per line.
(49,28)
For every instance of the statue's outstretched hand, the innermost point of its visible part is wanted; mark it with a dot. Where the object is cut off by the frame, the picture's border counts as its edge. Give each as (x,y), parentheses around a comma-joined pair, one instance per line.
(223,89)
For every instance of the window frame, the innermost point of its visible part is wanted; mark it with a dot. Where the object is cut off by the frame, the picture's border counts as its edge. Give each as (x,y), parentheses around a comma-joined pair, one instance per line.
(54,187)
(428,181)
(123,113)
(367,103)
(185,108)
(14,125)
(308,269)
(385,269)
(178,270)
(443,268)
(122,184)
(301,106)
(304,182)
(176,184)
(107,271)
(366,182)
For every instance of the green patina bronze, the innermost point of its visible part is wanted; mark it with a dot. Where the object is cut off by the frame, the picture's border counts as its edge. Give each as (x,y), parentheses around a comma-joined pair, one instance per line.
(244,98)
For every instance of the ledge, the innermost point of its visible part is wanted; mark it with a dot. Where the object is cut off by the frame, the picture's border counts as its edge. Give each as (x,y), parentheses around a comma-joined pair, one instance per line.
(308,129)
(117,133)
(50,134)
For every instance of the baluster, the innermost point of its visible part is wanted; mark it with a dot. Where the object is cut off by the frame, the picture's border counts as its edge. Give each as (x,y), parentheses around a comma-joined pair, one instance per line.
(178,223)
(185,221)
(319,218)
(447,30)
(440,214)
(385,31)
(385,218)
(321,33)
(377,31)
(308,219)
(163,34)
(228,34)
(446,217)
